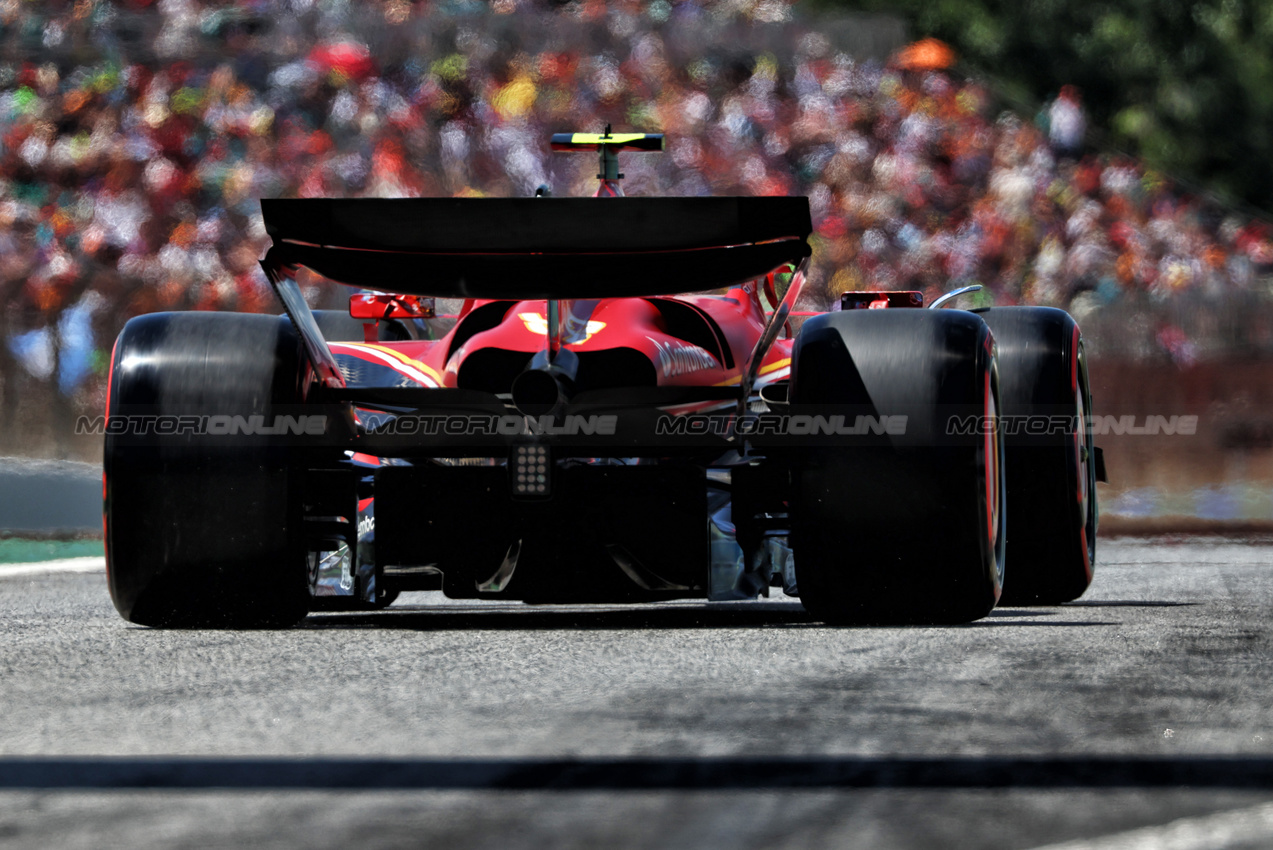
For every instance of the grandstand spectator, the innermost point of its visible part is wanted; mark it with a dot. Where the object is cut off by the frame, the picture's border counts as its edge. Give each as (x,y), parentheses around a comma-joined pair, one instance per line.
(1067,125)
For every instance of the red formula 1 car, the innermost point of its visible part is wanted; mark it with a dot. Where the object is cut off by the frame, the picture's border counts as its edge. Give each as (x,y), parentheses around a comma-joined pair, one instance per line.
(584,431)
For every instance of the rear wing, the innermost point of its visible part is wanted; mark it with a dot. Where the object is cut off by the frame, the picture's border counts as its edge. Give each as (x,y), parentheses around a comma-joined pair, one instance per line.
(531,248)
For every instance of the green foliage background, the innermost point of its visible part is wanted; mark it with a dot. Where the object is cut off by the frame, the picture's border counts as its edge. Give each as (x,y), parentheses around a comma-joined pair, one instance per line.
(1187,86)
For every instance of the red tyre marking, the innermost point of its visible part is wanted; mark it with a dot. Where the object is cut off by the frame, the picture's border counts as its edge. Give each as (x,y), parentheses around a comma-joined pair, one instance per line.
(991,462)
(1080,428)
(1074,360)
(1087,560)
(110,380)
(991,446)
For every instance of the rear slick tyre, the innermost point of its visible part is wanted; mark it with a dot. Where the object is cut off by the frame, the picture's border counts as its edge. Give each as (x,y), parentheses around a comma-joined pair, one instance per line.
(903,527)
(203,531)
(1051,471)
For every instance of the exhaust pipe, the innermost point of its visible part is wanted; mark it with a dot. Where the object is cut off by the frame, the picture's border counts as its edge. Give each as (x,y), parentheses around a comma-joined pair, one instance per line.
(549,380)
(547,384)
(540,392)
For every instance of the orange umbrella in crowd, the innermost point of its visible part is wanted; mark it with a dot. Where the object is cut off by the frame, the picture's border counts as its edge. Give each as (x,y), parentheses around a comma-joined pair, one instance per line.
(929,54)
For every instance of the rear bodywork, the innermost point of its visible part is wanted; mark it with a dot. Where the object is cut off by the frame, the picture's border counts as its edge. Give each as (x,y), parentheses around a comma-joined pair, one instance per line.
(574,434)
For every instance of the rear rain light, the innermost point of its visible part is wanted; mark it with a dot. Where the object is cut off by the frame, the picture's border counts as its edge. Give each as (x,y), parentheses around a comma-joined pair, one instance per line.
(531,471)
(880,300)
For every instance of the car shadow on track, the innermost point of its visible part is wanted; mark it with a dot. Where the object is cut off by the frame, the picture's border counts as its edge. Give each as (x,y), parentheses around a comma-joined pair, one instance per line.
(510,617)
(595,773)
(1129,603)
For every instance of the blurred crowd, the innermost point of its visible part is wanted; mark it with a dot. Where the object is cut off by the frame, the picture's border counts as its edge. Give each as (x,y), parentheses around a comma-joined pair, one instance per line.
(136,138)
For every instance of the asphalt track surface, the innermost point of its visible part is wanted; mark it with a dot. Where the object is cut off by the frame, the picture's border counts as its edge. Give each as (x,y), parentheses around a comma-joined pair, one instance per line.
(1138,717)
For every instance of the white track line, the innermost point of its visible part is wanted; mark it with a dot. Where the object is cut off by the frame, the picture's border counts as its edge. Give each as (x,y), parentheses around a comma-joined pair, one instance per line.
(1235,828)
(91,564)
